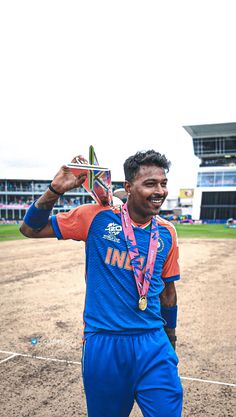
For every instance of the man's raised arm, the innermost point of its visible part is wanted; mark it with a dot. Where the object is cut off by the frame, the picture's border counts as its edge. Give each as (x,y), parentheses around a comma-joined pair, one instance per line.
(36,222)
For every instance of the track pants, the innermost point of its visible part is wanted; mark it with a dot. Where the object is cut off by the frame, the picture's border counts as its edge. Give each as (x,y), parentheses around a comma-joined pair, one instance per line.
(118,369)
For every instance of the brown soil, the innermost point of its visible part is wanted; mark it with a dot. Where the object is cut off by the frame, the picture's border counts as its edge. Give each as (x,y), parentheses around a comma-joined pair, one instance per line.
(42,296)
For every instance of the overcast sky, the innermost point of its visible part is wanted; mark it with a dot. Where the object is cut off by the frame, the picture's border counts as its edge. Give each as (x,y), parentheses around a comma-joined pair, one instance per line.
(121,75)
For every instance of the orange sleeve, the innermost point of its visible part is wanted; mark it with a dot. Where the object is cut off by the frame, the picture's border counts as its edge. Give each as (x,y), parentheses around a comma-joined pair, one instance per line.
(75,224)
(171,266)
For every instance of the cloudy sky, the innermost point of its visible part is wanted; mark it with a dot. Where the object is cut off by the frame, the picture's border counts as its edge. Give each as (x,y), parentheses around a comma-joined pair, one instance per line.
(121,75)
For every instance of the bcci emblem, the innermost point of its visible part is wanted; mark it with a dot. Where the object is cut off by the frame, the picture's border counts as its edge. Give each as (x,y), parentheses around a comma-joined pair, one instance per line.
(160,246)
(113,230)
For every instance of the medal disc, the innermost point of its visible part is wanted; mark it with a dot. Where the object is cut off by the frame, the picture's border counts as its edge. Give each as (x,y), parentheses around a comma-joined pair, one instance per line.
(142,303)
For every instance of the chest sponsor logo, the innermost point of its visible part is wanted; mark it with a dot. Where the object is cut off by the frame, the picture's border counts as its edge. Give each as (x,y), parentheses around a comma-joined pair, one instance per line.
(113,230)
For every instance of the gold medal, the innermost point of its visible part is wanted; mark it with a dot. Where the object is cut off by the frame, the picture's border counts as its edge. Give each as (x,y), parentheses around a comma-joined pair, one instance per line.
(142,304)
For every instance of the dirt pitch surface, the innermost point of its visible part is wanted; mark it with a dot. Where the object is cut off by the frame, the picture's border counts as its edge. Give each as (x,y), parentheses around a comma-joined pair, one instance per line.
(42,295)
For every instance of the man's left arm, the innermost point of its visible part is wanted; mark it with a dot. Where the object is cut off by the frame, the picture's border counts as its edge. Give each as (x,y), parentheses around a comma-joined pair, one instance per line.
(168,299)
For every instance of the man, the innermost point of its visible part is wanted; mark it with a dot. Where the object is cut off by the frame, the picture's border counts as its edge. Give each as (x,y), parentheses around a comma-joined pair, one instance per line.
(131,266)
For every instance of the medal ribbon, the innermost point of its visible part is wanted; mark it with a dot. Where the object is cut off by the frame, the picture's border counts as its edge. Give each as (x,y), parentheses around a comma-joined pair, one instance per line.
(142,280)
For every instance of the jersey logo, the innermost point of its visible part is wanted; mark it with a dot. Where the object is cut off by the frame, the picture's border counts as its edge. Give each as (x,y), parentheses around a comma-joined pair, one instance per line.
(160,246)
(113,230)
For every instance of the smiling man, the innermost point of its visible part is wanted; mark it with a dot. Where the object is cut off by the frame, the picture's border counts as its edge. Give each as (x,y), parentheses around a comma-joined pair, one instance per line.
(131,304)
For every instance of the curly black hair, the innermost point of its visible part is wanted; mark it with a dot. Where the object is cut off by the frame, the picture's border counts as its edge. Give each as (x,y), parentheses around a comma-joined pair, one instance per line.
(151,157)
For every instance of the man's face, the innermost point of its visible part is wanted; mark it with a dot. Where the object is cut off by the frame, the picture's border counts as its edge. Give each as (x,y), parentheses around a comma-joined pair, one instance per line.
(148,190)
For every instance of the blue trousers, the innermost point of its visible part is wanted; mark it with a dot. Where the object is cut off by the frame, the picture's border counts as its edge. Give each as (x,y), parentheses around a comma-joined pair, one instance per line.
(118,369)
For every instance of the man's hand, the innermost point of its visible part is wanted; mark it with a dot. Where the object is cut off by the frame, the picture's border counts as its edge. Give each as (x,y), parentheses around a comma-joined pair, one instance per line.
(65,180)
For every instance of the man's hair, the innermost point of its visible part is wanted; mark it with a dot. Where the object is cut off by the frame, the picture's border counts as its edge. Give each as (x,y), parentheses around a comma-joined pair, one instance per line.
(151,157)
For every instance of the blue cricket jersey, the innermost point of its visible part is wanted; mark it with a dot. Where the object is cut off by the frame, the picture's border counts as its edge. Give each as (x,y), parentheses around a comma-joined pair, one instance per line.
(111,300)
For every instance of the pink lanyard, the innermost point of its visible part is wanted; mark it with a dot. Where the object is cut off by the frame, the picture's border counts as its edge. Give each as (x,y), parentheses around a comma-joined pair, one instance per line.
(142,280)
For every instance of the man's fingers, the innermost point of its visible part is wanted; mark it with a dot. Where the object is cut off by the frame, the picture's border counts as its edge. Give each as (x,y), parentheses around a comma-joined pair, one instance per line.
(81,176)
(79,160)
(80,179)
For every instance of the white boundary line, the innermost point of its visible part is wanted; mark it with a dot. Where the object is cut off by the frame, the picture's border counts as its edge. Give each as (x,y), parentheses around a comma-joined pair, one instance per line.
(14,354)
(9,357)
(207,380)
(37,357)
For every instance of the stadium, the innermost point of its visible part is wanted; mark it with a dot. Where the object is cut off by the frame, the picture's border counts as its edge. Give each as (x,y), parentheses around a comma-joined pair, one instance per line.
(213,199)
(16,195)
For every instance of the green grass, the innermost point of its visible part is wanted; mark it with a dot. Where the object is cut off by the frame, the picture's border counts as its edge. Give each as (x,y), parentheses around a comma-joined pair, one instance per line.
(10,232)
(209,231)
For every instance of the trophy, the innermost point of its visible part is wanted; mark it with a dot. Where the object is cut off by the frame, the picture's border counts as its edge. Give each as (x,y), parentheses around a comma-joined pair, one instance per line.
(98,180)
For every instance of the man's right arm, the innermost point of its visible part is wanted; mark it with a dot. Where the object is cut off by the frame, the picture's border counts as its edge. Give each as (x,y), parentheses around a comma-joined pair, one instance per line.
(36,222)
